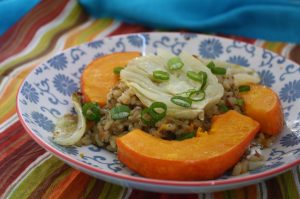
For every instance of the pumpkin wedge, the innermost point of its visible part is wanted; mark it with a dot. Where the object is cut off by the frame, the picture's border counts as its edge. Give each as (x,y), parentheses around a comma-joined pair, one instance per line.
(263,105)
(198,158)
(98,77)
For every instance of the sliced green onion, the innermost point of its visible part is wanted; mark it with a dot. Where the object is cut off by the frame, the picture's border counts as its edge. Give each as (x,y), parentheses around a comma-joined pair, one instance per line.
(158,110)
(194,76)
(161,75)
(117,70)
(175,63)
(218,70)
(223,108)
(204,79)
(186,136)
(146,117)
(182,101)
(120,112)
(239,102)
(197,95)
(91,111)
(244,88)
(211,65)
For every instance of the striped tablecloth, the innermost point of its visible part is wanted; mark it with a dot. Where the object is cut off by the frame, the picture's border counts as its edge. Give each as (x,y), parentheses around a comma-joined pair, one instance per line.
(26,169)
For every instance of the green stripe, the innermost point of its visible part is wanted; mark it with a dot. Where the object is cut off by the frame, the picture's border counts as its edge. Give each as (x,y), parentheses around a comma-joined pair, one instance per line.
(111,191)
(46,39)
(287,185)
(90,186)
(35,177)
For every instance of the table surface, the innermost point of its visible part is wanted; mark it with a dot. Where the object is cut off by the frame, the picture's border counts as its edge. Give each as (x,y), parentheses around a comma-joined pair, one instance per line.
(26,169)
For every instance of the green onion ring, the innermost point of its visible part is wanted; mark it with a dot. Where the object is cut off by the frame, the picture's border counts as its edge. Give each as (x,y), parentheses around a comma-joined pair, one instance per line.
(186,136)
(204,79)
(148,121)
(175,63)
(91,111)
(218,70)
(120,112)
(197,96)
(197,77)
(161,75)
(244,88)
(223,108)
(211,65)
(117,70)
(182,101)
(155,114)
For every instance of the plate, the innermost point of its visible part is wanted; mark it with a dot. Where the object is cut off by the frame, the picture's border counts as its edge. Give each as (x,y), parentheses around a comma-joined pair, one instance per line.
(45,95)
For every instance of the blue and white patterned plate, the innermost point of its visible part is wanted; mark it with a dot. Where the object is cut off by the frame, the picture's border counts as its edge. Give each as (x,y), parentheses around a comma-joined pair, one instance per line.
(45,95)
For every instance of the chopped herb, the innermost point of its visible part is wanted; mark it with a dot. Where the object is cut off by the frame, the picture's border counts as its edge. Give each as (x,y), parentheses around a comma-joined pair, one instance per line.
(161,75)
(175,63)
(186,136)
(244,88)
(197,96)
(218,70)
(223,108)
(117,70)
(158,110)
(182,101)
(120,112)
(91,111)
(211,65)
(239,102)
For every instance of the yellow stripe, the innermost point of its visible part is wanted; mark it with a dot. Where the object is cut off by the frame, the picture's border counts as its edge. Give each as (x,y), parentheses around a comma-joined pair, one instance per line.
(46,39)
(88,33)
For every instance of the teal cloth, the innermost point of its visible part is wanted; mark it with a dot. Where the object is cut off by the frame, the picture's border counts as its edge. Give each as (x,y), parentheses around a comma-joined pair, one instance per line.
(13,10)
(277,20)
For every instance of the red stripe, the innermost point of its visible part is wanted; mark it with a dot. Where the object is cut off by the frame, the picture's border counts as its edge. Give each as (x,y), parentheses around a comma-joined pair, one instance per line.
(40,15)
(125,28)
(9,137)
(17,162)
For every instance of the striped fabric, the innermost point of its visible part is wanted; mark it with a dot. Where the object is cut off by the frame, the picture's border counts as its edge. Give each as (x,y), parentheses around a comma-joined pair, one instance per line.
(27,170)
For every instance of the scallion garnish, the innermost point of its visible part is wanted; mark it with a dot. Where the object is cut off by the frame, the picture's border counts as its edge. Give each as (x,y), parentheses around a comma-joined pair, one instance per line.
(186,136)
(197,96)
(175,63)
(244,88)
(91,111)
(204,79)
(197,77)
(158,110)
(117,70)
(120,112)
(146,117)
(223,108)
(239,102)
(161,75)
(182,101)
(211,65)
(218,70)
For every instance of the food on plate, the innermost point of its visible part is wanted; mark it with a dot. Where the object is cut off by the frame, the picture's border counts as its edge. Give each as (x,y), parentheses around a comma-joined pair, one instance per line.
(169,116)
(197,158)
(263,105)
(97,79)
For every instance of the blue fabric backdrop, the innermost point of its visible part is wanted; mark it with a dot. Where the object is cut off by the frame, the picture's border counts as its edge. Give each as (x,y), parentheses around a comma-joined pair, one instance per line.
(268,19)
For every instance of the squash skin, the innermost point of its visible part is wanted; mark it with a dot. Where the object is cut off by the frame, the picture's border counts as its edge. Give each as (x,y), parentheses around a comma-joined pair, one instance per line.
(198,158)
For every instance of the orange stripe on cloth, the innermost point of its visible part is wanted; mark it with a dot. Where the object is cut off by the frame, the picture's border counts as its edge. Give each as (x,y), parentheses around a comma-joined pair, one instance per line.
(276,47)
(72,186)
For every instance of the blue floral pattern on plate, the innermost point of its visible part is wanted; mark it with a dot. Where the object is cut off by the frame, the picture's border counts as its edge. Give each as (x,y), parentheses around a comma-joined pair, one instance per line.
(45,95)
(210,48)
(64,84)
(58,62)
(30,93)
(266,77)
(290,92)
(239,60)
